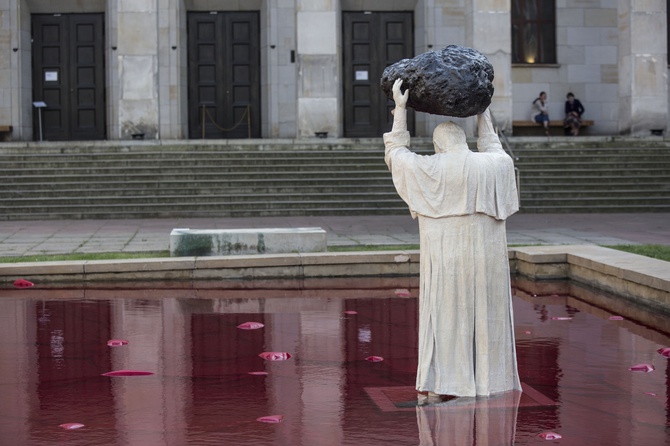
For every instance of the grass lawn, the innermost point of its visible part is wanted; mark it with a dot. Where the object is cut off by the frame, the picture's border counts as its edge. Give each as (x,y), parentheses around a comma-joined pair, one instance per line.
(656,251)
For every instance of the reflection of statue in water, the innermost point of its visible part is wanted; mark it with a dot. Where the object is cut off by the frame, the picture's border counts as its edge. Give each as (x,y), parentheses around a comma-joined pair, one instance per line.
(470,421)
(462,198)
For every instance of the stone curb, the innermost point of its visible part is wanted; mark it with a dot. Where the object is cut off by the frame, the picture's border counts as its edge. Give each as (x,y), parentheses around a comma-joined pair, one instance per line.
(639,279)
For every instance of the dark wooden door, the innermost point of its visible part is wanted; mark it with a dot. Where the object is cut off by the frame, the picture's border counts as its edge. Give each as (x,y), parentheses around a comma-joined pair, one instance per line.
(224,75)
(69,75)
(372,41)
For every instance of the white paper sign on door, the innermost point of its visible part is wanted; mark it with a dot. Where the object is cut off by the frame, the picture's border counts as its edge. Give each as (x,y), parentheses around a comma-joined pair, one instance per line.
(361,75)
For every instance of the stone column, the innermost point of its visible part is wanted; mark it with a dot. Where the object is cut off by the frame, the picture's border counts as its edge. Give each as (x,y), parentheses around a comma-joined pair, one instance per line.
(439,23)
(643,88)
(8,32)
(169,75)
(137,59)
(279,78)
(15,69)
(318,58)
(488,30)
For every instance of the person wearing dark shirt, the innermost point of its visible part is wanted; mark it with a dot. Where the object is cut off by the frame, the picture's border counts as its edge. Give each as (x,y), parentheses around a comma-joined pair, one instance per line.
(573,115)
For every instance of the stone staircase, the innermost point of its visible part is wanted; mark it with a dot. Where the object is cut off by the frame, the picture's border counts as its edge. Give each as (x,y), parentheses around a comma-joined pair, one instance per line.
(283,178)
(616,175)
(226,180)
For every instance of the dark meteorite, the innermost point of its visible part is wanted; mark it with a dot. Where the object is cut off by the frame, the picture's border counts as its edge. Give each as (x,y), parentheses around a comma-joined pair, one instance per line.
(455,81)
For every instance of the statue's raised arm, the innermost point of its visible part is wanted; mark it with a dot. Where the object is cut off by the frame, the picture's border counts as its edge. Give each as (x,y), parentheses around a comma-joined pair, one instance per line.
(487,140)
(400,111)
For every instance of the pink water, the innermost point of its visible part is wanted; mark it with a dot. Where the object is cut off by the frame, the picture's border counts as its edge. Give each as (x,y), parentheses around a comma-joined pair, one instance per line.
(53,352)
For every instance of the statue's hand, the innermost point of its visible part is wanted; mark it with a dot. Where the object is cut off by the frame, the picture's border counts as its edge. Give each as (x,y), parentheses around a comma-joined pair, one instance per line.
(399,97)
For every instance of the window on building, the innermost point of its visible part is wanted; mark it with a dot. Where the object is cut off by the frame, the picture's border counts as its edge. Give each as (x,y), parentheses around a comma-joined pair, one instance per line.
(533,31)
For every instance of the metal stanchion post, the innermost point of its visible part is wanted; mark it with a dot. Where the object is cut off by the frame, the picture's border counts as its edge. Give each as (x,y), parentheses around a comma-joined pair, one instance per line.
(39,105)
(203,121)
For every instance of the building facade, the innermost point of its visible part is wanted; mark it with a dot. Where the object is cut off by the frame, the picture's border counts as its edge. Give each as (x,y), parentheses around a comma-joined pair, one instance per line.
(220,69)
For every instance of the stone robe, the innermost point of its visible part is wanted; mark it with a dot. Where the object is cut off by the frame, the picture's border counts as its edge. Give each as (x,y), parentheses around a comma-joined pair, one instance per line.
(462,198)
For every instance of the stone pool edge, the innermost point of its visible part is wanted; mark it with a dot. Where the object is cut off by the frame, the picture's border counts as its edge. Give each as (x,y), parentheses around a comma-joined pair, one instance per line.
(641,279)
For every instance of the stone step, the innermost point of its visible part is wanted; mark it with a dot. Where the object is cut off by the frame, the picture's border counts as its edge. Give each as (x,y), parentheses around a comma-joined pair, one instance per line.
(206,198)
(587,208)
(197,176)
(211,208)
(525,163)
(193,157)
(600,173)
(199,191)
(604,195)
(328,185)
(633,184)
(176,212)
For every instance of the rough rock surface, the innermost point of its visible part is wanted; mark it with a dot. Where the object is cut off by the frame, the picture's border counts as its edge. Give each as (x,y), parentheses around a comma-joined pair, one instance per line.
(455,81)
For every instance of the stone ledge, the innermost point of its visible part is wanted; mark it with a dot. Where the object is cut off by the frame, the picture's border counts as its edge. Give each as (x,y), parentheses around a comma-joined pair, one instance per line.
(232,267)
(638,278)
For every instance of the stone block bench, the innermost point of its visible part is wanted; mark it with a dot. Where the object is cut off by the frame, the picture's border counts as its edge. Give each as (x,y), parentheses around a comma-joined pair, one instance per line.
(214,242)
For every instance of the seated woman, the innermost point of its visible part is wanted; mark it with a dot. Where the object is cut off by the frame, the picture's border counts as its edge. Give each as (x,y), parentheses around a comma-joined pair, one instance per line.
(573,115)
(540,113)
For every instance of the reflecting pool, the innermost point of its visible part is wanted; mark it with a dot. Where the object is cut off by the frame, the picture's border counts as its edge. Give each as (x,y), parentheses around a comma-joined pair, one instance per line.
(346,376)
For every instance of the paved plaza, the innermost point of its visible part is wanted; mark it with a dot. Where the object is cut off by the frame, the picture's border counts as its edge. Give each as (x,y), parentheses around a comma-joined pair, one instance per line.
(21,238)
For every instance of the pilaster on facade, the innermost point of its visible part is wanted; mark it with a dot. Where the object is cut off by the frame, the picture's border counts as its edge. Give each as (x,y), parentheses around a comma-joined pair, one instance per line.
(643,83)
(488,30)
(318,61)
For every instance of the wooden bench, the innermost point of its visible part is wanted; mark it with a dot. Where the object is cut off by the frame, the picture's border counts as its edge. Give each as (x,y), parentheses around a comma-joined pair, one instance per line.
(552,124)
(4,129)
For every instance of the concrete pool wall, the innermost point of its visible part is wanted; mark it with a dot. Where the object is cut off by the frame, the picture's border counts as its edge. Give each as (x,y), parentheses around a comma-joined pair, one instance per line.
(637,279)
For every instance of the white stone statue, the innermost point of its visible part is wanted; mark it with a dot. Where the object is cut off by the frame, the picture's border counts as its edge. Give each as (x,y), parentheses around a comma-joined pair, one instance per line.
(462,198)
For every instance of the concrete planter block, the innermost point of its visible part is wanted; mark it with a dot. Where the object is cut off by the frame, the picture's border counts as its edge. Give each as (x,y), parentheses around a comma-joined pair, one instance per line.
(212,242)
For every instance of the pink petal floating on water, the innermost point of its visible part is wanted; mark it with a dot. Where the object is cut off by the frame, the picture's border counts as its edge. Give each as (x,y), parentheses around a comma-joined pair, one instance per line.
(665,351)
(615,318)
(127,373)
(561,318)
(402,293)
(642,368)
(527,332)
(258,373)
(550,436)
(374,359)
(23,283)
(275,356)
(116,342)
(351,312)
(270,419)
(71,426)
(650,393)
(250,326)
